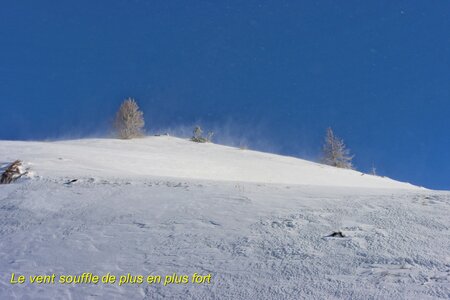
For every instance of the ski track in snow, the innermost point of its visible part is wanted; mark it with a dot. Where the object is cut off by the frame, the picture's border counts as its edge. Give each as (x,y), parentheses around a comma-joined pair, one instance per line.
(260,241)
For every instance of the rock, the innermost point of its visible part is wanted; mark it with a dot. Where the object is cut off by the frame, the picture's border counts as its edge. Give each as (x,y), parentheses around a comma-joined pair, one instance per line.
(12,173)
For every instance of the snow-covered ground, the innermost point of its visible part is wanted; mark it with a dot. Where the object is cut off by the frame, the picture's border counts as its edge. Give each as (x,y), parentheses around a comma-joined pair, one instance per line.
(257,222)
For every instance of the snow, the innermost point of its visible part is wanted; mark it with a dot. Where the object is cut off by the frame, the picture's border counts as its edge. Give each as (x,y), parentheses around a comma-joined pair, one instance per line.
(257,222)
(173,157)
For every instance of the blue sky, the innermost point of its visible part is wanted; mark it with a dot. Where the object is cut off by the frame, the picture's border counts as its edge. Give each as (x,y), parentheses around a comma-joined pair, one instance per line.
(271,74)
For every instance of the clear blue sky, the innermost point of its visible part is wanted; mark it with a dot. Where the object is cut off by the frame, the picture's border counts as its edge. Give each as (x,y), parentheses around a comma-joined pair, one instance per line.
(274,74)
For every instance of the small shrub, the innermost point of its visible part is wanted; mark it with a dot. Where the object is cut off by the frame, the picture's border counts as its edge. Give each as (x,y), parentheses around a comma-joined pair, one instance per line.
(198,138)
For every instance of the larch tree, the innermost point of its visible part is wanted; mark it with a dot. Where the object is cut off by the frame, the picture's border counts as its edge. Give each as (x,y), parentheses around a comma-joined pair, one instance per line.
(335,153)
(129,121)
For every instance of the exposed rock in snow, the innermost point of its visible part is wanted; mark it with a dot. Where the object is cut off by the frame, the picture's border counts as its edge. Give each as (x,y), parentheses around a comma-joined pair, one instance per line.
(12,172)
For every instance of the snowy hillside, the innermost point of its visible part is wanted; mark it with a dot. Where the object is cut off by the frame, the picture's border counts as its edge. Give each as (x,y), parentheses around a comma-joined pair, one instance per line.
(258,223)
(173,157)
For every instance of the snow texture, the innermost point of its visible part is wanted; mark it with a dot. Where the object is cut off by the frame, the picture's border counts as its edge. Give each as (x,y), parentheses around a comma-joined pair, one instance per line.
(261,224)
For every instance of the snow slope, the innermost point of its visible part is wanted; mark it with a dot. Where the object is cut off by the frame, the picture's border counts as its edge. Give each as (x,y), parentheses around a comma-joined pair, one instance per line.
(257,222)
(173,157)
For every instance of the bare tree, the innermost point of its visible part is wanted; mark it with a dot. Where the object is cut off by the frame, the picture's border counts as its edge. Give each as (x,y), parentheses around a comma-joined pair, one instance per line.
(129,122)
(373,170)
(335,153)
(197,133)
